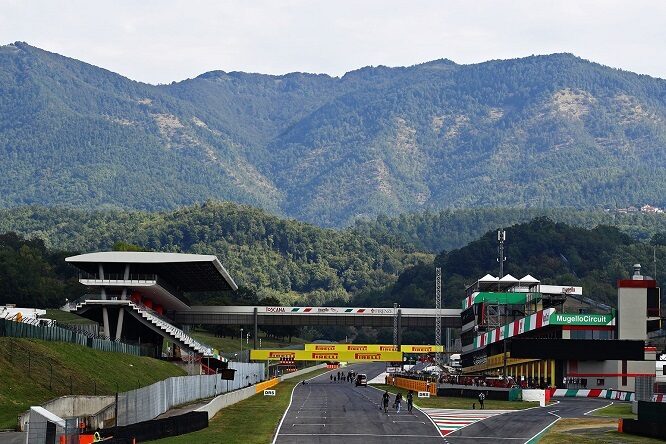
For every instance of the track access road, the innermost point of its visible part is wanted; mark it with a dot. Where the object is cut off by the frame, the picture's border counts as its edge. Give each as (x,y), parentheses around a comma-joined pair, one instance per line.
(339,412)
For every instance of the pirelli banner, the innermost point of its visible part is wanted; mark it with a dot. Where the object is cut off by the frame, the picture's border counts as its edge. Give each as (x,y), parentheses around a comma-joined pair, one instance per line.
(350,347)
(326,355)
(416,349)
(375,348)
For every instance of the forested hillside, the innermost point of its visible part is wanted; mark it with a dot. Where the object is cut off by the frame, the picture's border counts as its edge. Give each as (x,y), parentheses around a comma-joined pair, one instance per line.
(299,263)
(555,253)
(538,132)
(448,229)
(293,261)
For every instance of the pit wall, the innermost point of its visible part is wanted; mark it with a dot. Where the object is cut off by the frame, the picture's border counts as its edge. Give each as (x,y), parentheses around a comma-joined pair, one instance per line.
(593,393)
(414,385)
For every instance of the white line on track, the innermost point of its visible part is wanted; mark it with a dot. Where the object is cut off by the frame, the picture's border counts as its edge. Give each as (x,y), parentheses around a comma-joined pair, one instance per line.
(481,437)
(291,399)
(439,438)
(598,408)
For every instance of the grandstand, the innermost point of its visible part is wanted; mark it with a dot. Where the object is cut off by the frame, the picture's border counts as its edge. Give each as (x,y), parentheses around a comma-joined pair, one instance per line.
(133,295)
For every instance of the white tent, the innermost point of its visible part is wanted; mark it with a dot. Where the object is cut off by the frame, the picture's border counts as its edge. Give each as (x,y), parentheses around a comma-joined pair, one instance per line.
(529,279)
(508,279)
(488,278)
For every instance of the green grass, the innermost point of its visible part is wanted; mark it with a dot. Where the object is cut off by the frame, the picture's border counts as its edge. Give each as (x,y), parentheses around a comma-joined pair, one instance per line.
(615,411)
(446,402)
(590,431)
(227,345)
(66,317)
(25,372)
(252,421)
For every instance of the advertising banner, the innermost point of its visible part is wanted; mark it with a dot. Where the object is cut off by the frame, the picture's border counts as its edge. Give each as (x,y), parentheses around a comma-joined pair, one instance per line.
(350,347)
(422,348)
(327,310)
(375,348)
(324,355)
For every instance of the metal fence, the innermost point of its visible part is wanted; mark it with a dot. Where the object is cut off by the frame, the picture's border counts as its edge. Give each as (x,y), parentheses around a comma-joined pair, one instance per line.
(151,401)
(54,333)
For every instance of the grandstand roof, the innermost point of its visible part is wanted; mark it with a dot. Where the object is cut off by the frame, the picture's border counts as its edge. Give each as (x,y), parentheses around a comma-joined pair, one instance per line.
(186,272)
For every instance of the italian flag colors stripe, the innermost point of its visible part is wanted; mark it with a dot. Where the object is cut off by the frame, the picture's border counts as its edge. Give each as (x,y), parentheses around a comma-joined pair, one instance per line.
(594,393)
(528,323)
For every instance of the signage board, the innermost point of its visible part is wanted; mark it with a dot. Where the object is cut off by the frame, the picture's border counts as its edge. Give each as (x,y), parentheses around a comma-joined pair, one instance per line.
(424,395)
(392,369)
(326,355)
(269,392)
(581,319)
(375,348)
(350,347)
(422,348)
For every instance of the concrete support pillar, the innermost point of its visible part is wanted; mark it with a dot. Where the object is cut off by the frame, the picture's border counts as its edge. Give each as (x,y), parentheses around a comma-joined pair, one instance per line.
(119,326)
(256,327)
(105,319)
(539,370)
(552,372)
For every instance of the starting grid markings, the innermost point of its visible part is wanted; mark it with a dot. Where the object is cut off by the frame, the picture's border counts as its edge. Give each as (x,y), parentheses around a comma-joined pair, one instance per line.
(451,420)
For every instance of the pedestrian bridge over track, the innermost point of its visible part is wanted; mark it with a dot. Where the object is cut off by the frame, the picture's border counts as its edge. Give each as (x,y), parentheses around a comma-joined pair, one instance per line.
(311,316)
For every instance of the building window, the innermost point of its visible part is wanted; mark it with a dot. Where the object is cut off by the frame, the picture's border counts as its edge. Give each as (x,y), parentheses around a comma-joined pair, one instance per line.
(601,382)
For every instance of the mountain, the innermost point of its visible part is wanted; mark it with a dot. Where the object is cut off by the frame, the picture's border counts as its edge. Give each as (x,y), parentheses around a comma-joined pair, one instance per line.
(537,132)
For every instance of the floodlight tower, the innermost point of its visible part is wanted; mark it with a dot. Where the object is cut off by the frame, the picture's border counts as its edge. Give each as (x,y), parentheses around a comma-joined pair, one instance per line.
(395,325)
(438,317)
(501,237)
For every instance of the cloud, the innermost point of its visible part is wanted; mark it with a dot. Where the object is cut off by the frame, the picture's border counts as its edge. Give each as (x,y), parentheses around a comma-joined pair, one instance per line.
(162,41)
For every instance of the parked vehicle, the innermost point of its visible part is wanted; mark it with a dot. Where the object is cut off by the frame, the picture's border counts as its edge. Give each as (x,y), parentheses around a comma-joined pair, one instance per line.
(361,379)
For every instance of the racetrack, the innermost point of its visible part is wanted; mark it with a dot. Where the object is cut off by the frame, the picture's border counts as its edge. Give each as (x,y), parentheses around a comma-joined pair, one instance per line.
(339,412)
(522,425)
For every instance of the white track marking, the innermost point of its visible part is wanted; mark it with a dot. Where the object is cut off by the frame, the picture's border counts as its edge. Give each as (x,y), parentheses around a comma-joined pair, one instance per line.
(291,399)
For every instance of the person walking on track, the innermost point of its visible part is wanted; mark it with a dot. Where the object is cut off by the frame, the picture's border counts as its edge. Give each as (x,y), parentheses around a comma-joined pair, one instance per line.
(482,398)
(410,401)
(398,402)
(385,401)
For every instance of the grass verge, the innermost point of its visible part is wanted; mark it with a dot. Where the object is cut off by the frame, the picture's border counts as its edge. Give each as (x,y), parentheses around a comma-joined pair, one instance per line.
(459,403)
(615,410)
(590,431)
(252,421)
(33,372)
(66,317)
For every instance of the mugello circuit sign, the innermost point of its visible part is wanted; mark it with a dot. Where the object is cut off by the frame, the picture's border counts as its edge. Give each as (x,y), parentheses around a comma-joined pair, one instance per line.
(581,319)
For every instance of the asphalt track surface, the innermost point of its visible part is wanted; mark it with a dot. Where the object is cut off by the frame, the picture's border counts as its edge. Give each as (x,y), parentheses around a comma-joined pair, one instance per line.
(522,425)
(340,412)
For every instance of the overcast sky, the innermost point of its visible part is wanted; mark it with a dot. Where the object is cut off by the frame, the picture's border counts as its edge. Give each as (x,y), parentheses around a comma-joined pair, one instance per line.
(160,41)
